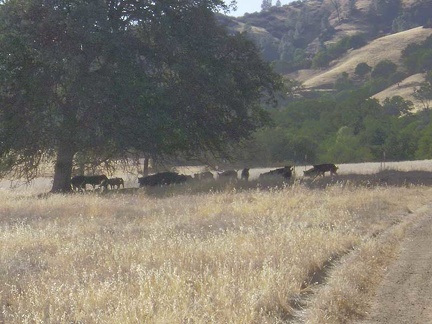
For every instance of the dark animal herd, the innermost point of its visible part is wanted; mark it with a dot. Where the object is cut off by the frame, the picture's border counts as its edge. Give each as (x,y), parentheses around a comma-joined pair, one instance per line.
(285,172)
(80,182)
(321,169)
(163,178)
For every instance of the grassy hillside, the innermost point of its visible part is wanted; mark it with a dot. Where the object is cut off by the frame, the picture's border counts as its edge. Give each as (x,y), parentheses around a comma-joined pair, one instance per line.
(300,25)
(404,89)
(172,256)
(386,47)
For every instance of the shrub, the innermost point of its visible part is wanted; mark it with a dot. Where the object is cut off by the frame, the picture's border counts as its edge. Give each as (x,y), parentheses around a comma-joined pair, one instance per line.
(362,69)
(384,69)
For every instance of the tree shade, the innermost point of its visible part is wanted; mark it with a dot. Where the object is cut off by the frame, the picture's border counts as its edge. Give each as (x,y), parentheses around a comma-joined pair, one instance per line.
(105,78)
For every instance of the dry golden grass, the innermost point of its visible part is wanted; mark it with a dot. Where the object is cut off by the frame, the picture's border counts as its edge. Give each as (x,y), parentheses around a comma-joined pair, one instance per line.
(387,47)
(352,281)
(175,255)
(405,89)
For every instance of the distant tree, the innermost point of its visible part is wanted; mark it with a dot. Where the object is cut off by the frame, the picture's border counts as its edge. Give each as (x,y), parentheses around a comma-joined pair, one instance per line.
(286,49)
(423,93)
(299,54)
(278,3)
(327,30)
(403,137)
(402,22)
(357,41)
(337,6)
(362,69)
(417,57)
(351,6)
(111,78)
(343,82)
(276,143)
(374,134)
(299,29)
(325,23)
(428,77)
(384,69)
(269,47)
(424,150)
(303,148)
(346,147)
(321,59)
(385,10)
(397,106)
(266,5)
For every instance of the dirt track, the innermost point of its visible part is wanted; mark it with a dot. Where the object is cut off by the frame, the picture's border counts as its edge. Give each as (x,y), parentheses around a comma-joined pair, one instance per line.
(405,295)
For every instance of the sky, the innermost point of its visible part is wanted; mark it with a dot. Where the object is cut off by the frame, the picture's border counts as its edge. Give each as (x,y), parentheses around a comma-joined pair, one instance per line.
(251,6)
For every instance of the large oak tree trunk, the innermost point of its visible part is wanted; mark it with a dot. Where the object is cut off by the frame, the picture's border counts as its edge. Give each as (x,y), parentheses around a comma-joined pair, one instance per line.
(63,169)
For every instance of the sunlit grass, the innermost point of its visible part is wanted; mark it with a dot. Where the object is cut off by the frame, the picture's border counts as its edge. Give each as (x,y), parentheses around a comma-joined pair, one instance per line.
(239,256)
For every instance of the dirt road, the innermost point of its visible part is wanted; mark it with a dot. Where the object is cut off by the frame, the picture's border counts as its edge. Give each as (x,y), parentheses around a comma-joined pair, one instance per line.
(405,295)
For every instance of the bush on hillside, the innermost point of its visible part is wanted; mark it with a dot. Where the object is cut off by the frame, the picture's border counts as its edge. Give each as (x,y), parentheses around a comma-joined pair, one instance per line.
(384,69)
(362,69)
(418,57)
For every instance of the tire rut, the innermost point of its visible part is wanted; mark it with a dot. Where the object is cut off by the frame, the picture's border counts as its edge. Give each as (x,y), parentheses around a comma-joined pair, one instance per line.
(405,294)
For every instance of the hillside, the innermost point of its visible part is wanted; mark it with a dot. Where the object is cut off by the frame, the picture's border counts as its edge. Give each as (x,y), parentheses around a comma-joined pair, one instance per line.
(371,54)
(386,47)
(404,89)
(290,37)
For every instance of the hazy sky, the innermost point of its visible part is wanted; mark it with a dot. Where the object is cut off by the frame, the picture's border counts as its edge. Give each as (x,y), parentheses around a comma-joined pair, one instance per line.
(250,6)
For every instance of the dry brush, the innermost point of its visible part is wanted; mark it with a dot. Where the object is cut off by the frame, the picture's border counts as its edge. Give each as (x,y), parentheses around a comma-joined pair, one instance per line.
(232,256)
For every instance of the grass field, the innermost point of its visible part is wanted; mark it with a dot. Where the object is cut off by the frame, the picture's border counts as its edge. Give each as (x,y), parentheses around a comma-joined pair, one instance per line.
(188,254)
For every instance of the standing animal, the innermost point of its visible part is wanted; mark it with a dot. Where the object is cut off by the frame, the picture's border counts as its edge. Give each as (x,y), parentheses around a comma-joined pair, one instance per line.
(80,182)
(95,180)
(245,174)
(163,178)
(229,175)
(312,172)
(114,182)
(77,183)
(326,167)
(285,172)
(207,175)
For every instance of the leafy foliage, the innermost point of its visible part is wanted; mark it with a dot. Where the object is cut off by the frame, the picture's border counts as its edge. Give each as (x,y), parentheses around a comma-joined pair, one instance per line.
(418,57)
(384,69)
(107,78)
(423,93)
(354,129)
(362,69)
(343,124)
(327,54)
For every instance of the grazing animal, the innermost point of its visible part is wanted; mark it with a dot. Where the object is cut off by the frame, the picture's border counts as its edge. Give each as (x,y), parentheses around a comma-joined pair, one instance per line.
(79,182)
(114,182)
(204,176)
(229,174)
(163,179)
(285,172)
(327,167)
(311,173)
(95,180)
(245,174)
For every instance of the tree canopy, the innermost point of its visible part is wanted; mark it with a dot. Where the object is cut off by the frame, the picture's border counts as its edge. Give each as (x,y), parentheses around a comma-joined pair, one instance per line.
(110,77)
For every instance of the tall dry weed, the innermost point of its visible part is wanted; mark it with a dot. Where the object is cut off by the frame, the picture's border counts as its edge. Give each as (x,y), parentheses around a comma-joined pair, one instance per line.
(238,256)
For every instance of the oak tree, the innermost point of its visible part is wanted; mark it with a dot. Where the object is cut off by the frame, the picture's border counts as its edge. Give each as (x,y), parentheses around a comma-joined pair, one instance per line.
(106,78)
